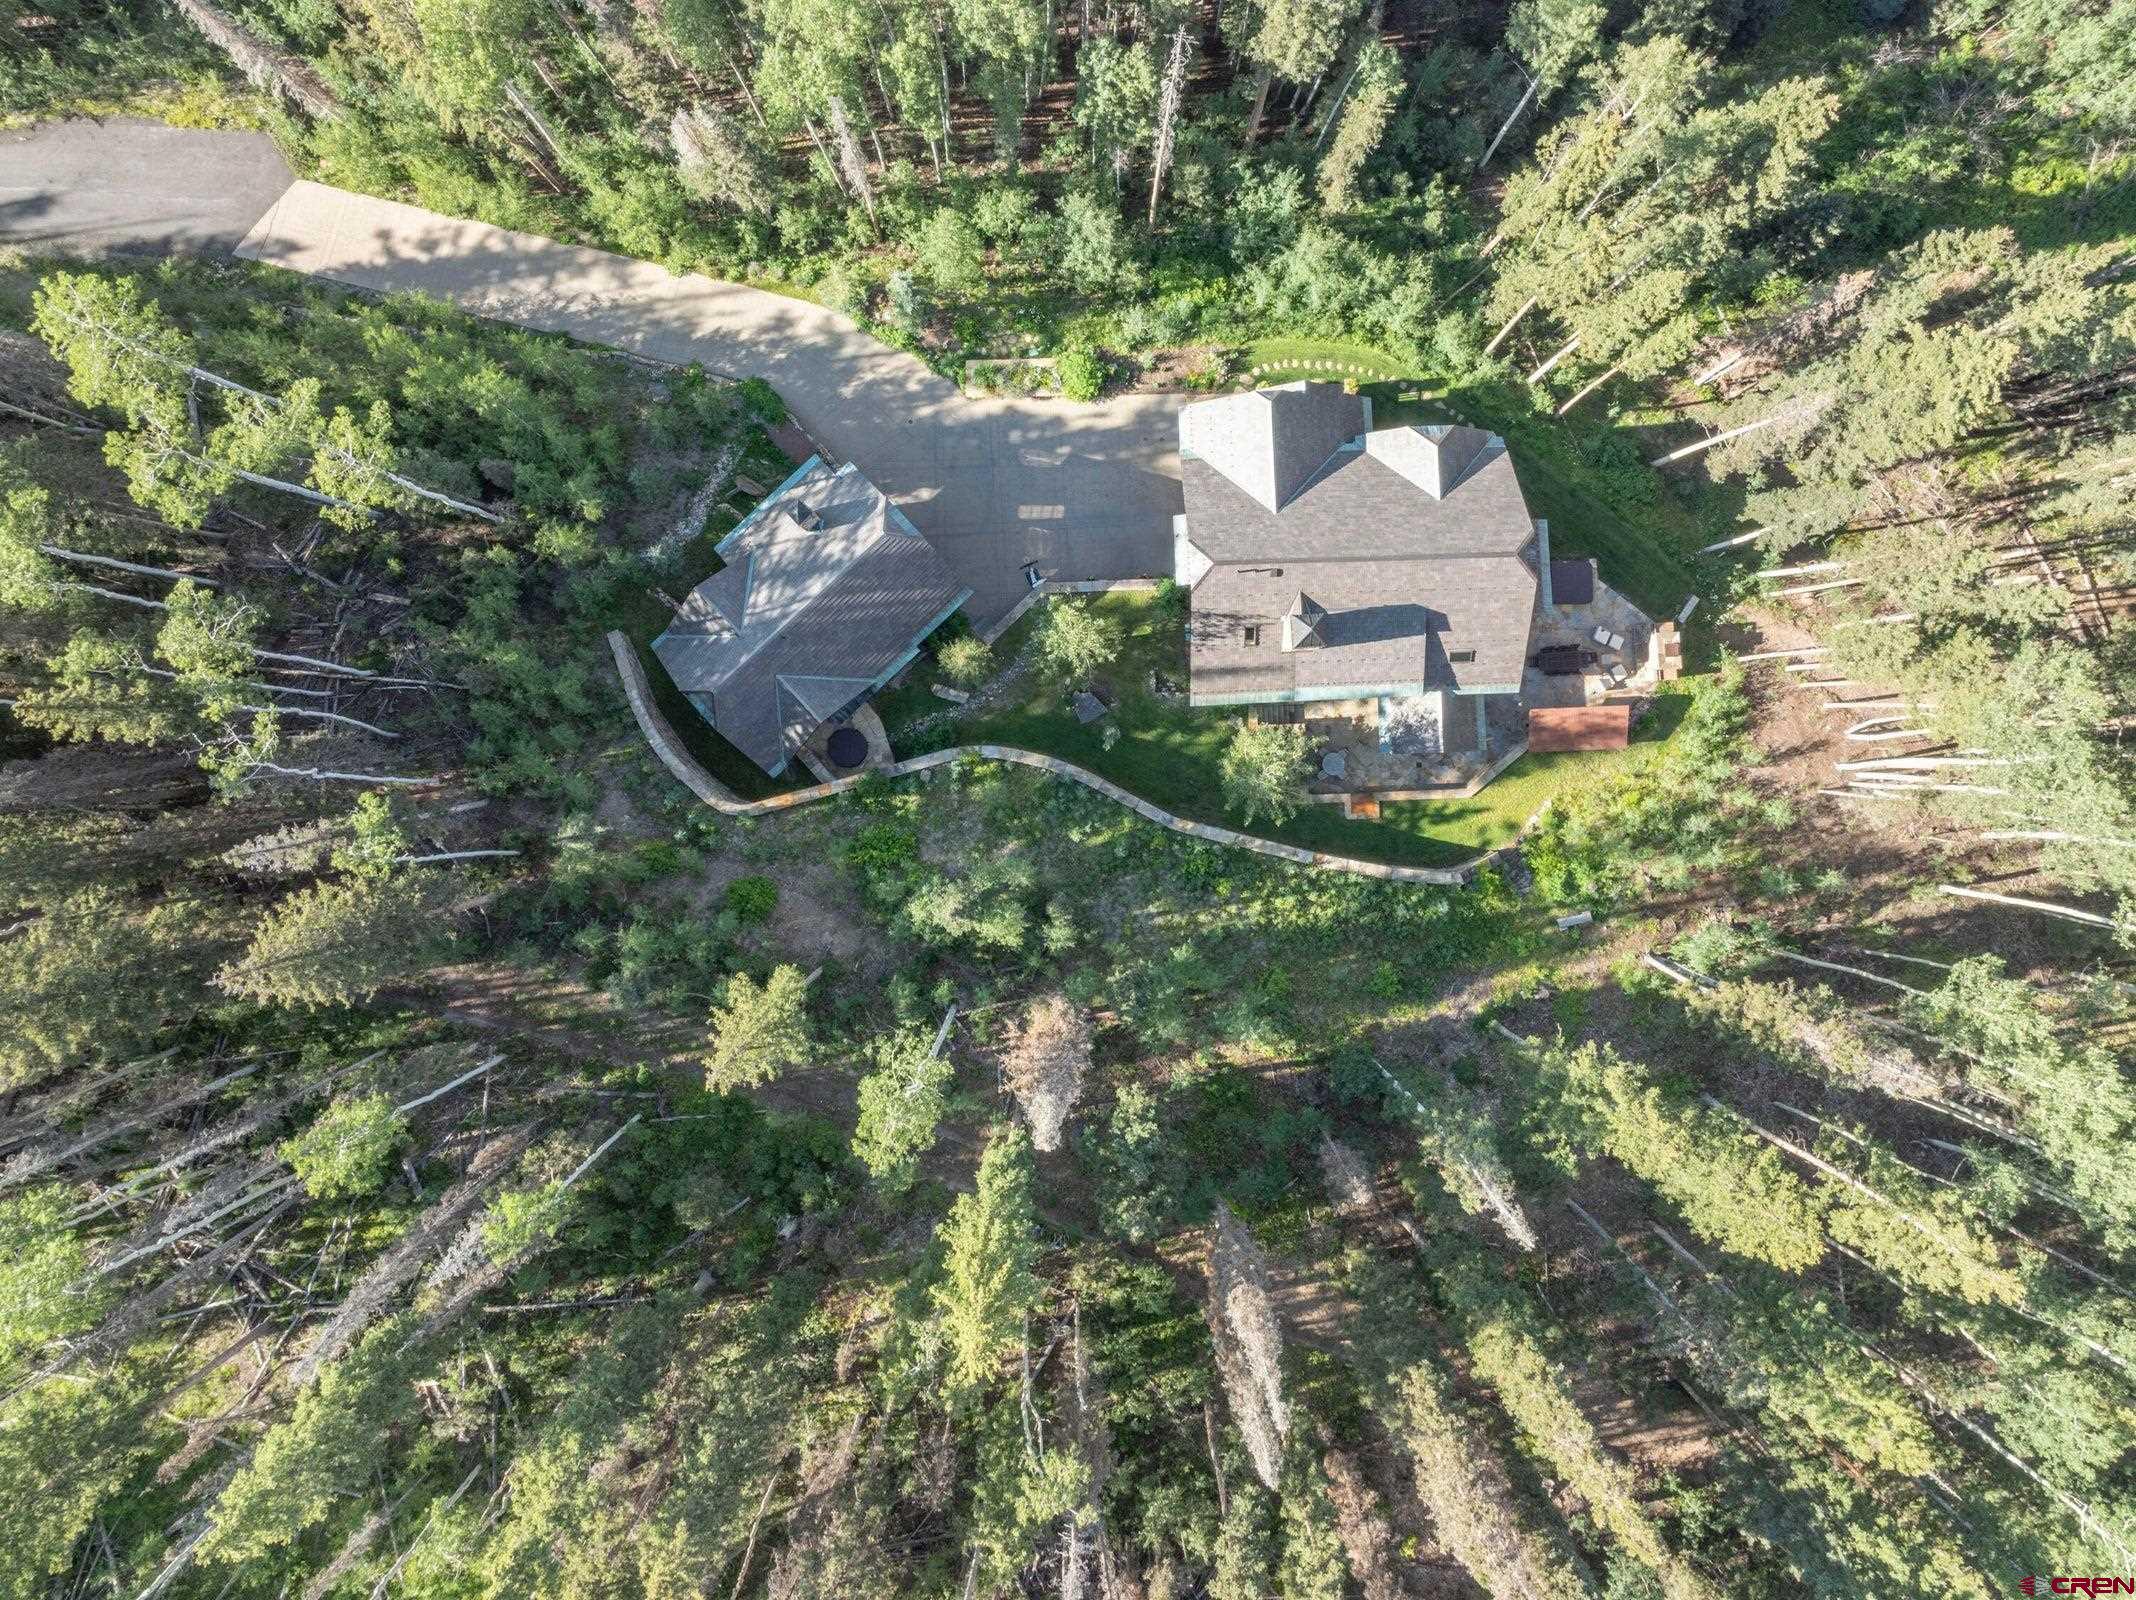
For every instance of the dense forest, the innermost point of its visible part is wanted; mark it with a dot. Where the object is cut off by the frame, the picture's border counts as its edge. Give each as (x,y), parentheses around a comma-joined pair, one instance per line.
(440,1157)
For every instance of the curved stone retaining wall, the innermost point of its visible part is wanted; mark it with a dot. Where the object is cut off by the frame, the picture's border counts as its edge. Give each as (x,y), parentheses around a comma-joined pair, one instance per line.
(718,796)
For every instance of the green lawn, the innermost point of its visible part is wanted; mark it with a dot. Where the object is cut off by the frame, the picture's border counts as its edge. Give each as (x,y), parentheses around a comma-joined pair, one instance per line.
(1281,360)
(1168,753)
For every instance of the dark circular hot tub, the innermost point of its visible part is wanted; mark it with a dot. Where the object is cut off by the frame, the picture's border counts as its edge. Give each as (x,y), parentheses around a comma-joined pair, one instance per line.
(848,747)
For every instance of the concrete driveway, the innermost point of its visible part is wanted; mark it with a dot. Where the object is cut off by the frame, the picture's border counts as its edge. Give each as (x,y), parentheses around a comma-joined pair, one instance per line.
(1085,491)
(132,185)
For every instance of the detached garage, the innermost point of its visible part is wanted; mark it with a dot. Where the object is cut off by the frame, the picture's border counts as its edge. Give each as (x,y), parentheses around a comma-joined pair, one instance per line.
(1553,728)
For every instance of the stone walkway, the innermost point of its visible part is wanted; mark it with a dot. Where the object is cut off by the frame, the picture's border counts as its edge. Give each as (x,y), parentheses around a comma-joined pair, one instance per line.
(1085,491)
(717,795)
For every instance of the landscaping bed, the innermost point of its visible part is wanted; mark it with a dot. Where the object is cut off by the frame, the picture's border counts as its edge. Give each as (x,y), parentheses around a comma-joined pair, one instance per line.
(1168,753)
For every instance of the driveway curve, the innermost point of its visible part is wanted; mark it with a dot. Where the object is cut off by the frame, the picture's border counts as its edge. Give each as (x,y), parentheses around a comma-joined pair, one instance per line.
(1084,491)
(126,184)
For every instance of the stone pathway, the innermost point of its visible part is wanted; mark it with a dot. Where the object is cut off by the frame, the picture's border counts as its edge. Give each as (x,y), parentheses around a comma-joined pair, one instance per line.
(717,795)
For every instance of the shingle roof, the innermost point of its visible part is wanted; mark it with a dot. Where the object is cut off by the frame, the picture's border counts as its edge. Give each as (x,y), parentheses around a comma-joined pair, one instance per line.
(803,621)
(1416,542)
(1270,441)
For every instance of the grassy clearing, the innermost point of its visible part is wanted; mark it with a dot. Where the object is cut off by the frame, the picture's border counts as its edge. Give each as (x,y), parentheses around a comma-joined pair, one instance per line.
(1169,753)
(1284,359)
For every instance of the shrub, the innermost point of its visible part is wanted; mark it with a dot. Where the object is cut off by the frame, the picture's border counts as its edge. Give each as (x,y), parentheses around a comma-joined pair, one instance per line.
(1082,375)
(882,846)
(1208,370)
(1262,769)
(1001,214)
(950,253)
(1074,640)
(1155,325)
(902,303)
(966,660)
(1093,245)
(754,898)
(350,1148)
(762,401)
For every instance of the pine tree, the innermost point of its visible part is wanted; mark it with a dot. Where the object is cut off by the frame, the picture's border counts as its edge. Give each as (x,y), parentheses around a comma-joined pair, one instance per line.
(349,1147)
(1730,1187)
(1043,1064)
(1248,1341)
(340,942)
(1475,1511)
(1540,1398)
(989,1249)
(1363,123)
(717,161)
(901,1104)
(758,1032)
(337,1436)
(92,979)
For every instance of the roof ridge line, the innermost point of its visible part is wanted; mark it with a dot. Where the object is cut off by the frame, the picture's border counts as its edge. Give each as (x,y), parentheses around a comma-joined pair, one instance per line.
(1338,561)
(758,648)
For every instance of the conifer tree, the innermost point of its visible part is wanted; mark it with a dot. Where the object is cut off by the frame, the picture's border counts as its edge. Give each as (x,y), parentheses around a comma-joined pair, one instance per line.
(1475,1511)
(901,1105)
(91,979)
(1363,123)
(758,1031)
(339,1433)
(340,942)
(1733,1189)
(989,1250)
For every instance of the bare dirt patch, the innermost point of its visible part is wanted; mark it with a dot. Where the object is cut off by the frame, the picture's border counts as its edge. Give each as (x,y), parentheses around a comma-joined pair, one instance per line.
(563,1015)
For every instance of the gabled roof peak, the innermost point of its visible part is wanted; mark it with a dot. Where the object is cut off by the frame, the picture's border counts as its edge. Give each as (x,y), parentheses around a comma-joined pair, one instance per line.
(1271,442)
(1434,456)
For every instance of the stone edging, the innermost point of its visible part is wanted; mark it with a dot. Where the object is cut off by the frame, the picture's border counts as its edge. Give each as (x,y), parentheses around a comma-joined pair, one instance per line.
(1052,586)
(1468,791)
(720,798)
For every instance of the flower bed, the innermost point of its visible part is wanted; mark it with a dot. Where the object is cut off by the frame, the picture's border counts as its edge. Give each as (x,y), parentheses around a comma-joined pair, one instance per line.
(1031,375)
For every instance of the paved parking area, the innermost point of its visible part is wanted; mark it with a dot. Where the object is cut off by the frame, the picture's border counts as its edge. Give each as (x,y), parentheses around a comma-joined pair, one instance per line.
(1086,491)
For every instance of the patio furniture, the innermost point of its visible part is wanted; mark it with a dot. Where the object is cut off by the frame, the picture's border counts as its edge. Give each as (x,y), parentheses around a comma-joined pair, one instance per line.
(1608,640)
(1334,764)
(1617,676)
(1562,660)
